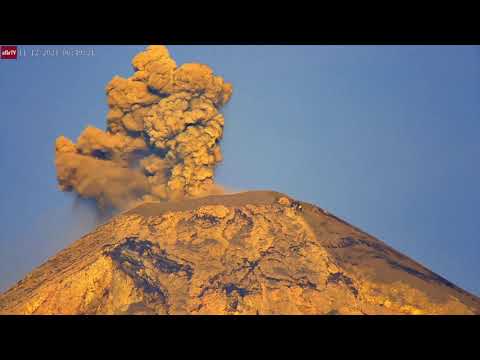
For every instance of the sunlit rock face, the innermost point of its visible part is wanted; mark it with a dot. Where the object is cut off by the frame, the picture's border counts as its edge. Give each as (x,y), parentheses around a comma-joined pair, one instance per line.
(247,253)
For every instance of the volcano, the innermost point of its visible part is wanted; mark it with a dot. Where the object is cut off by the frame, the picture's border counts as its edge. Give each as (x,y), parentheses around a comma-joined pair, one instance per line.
(257,252)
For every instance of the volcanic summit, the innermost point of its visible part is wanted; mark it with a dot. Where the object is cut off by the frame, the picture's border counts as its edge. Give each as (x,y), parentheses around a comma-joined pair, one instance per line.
(258,252)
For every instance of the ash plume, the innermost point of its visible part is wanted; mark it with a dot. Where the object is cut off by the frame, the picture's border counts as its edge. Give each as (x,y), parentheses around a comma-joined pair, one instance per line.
(162,136)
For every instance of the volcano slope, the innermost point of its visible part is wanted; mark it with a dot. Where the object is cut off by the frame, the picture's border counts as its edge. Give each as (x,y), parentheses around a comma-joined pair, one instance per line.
(257,252)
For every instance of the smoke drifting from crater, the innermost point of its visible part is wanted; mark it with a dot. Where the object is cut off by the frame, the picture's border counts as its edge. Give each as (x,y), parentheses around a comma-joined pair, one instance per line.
(162,137)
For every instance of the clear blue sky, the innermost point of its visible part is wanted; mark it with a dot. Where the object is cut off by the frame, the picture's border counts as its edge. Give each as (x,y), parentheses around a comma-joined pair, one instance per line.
(386,137)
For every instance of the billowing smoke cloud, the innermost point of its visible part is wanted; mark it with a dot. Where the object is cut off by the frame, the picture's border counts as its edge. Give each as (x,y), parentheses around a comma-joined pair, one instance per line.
(162,137)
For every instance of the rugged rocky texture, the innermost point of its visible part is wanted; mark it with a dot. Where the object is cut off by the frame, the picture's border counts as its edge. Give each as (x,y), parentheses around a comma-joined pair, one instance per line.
(248,253)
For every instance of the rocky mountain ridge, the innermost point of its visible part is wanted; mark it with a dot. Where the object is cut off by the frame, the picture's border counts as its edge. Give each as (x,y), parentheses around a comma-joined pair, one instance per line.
(258,252)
